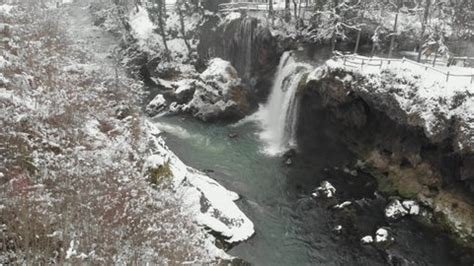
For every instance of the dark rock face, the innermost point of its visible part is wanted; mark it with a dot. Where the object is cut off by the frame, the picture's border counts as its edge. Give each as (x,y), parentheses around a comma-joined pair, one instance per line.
(363,121)
(403,159)
(248,45)
(212,5)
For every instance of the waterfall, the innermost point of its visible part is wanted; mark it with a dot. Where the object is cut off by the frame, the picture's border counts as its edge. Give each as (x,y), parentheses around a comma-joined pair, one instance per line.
(278,116)
(238,45)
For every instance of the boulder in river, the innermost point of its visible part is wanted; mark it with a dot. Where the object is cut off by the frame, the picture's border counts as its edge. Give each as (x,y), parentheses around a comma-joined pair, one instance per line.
(325,190)
(367,239)
(383,235)
(397,209)
(157,105)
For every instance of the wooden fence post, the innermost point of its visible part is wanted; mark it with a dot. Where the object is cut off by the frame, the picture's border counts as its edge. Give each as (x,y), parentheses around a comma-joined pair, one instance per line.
(357,42)
(447,76)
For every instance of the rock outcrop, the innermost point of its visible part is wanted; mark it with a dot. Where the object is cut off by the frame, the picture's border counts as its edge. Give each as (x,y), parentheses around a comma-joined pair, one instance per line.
(412,154)
(217,93)
(248,45)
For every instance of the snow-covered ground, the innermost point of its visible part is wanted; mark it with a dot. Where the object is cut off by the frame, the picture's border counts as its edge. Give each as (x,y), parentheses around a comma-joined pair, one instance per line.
(76,156)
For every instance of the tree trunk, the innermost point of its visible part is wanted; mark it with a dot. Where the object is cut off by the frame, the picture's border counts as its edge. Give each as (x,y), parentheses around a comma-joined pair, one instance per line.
(394,33)
(179,5)
(270,12)
(161,25)
(295,7)
(423,28)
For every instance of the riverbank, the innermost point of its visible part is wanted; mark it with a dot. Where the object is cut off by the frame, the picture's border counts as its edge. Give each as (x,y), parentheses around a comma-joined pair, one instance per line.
(85,177)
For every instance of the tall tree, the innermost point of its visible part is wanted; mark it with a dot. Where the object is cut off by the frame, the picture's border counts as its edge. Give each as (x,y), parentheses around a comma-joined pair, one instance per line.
(271,11)
(158,16)
(180,6)
(426,13)
(398,5)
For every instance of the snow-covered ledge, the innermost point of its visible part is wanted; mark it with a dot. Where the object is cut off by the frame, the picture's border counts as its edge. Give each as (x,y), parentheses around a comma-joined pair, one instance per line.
(210,204)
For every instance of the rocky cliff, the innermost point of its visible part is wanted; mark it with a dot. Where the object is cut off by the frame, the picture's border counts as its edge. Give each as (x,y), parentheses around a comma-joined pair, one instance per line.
(412,154)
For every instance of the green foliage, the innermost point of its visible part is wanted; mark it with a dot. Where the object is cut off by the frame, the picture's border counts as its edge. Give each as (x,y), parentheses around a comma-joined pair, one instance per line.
(160,175)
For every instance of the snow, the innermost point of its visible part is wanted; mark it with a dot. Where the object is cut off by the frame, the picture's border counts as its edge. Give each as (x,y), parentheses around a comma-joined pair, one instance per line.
(154,161)
(156,105)
(326,190)
(412,206)
(396,209)
(142,27)
(220,213)
(178,48)
(420,91)
(367,239)
(230,17)
(221,72)
(381,235)
(95,159)
(342,205)
(6,9)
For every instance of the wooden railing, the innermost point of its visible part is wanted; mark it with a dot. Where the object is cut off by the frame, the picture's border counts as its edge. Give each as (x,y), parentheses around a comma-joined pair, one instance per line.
(240,6)
(259,6)
(357,61)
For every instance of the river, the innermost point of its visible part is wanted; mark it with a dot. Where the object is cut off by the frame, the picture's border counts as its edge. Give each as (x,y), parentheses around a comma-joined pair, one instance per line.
(291,227)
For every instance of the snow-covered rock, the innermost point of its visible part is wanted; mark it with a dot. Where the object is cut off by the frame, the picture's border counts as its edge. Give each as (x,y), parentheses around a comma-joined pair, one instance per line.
(397,209)
(367,239)
(325,190)
(337,228)
(157,105)
(142,27)
(382,235)
(185,90)
(342,205)
(411,206)
(209,203)
(217,93)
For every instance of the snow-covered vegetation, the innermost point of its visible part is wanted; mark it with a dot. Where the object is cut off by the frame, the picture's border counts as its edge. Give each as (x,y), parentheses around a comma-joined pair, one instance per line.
(427,97)
(84,176)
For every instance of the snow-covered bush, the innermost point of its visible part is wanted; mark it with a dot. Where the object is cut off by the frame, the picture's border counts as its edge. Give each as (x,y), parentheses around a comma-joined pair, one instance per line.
(72,156)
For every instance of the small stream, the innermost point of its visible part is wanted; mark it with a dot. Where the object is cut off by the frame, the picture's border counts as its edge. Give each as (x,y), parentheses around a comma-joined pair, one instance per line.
(292,228)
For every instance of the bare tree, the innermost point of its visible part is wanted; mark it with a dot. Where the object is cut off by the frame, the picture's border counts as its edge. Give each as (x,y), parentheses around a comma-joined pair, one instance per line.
(423,28)
(180,5)
(158,16)
(398,5)
(271,11)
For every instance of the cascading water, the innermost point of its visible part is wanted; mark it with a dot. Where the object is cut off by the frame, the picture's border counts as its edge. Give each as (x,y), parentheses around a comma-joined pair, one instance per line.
(238,48)
(279,115)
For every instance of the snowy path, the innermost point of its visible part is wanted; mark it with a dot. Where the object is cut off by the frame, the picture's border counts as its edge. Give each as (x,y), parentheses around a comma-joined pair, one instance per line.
(85,34)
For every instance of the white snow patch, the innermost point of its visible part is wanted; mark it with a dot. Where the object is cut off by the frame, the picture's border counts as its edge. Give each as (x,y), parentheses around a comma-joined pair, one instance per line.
(411,206)
(157,104)
(342,205)
(142,27)
(381,235)
(209,203)
(6,9)
(230,17)
(326,190)
(367,239)
(395,210)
